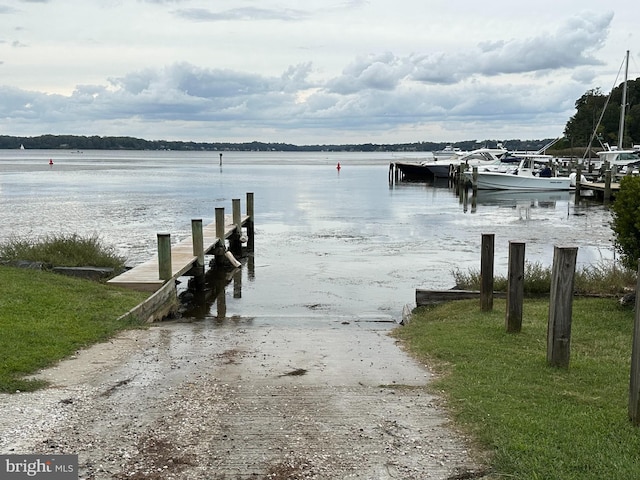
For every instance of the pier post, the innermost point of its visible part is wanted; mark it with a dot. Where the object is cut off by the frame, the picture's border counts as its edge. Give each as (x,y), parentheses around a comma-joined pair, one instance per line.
(474,183)
(164,256)
(607,185)
(250,223)
(486,272)
(197,239)
(515,287)
(220,248)
(561,306)
(235,245)
(634,381)
(578,182)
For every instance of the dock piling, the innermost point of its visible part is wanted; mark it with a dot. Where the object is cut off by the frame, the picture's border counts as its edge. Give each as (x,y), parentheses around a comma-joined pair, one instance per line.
(164,256)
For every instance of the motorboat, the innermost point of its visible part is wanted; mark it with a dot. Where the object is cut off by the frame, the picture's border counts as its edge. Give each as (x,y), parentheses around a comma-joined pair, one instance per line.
(618,157)
(479,157)
(447,152)
(532,173)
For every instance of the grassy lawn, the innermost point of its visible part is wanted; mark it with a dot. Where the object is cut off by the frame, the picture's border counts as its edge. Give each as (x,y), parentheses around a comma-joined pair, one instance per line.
(45,317)
(537,422)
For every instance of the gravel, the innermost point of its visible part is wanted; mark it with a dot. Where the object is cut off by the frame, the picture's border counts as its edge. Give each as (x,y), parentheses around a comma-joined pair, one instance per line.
(274,398)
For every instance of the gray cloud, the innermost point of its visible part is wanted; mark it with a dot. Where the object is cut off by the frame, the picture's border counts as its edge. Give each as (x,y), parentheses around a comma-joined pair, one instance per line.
(571,45)
(246,13)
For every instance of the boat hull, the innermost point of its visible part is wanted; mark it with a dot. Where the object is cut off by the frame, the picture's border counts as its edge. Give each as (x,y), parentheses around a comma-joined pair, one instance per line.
(505,181)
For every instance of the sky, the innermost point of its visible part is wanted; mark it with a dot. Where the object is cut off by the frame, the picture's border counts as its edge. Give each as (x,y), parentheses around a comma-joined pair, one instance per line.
(308,72)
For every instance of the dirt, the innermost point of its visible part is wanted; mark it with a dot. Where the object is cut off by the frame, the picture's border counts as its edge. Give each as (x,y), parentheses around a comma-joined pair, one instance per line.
(270,398)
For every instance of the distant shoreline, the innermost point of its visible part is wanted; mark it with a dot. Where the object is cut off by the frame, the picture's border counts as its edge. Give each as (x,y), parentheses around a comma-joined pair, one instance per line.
(77,142)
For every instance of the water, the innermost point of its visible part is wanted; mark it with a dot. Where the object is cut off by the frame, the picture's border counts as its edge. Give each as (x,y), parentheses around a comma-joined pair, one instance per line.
(327,241)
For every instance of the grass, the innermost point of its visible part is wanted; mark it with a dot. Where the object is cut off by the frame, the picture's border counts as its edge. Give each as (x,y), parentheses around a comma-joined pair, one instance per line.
(45,317)
(63,251)
(537,422)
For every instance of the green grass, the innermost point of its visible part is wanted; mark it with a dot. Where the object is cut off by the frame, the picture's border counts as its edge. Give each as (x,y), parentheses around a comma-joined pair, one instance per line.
(537,422)
(45,317)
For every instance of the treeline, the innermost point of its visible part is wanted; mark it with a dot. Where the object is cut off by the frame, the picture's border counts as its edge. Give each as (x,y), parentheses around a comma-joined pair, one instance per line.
(589,109)
(75,142)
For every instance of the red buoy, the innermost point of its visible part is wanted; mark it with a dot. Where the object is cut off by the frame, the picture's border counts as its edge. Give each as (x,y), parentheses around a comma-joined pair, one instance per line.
(50,161)
(338,167)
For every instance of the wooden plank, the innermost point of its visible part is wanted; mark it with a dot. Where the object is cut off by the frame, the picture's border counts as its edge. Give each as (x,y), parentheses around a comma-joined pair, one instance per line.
(145,276)
(434,297)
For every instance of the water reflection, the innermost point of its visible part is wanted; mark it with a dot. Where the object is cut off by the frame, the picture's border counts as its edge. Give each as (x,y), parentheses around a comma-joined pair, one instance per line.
(198,296)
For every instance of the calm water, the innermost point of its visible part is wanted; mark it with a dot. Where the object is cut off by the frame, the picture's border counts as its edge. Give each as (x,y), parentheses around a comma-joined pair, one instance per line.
(327,242)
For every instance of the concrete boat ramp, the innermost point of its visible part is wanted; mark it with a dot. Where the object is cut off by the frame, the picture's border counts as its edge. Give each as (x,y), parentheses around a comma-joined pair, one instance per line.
(242,398)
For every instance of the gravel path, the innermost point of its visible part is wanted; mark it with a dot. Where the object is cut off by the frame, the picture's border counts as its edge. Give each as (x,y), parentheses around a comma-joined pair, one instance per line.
(269,398)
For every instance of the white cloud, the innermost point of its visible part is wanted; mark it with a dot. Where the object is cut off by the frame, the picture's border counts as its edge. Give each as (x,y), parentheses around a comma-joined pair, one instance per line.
(244,70)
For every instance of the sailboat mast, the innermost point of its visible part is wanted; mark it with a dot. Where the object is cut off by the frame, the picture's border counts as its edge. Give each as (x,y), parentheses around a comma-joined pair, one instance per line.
(623,105)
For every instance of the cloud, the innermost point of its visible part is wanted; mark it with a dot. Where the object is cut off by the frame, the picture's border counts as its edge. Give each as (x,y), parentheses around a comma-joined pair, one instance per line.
(239,14)
(571,45)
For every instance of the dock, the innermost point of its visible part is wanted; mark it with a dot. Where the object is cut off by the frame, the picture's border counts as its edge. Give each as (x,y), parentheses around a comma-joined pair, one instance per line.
(187,256)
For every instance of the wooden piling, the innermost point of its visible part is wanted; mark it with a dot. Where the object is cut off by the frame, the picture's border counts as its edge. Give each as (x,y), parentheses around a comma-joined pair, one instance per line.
(220,248)
(515,287)
(607,185)
(164,256)
(250,222)
(561,306)
(634,381)
(486,272)
(578,180)
(474,182)
(235,245)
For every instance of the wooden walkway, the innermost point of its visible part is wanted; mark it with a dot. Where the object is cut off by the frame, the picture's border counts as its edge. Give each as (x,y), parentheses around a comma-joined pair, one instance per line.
(146,276)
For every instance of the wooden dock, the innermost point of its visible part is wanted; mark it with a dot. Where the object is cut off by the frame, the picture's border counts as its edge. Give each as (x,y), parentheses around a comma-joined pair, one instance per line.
(173,261)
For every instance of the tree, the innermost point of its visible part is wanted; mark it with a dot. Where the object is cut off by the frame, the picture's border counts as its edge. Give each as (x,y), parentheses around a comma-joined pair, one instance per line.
(626,221)
(581,126)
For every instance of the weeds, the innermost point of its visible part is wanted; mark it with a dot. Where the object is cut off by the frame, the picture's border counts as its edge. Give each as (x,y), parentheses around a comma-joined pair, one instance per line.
(63,251)
(600,279)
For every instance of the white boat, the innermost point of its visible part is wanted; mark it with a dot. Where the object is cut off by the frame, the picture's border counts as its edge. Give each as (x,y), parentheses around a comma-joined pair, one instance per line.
(532,173)
(447,152)
(479,157)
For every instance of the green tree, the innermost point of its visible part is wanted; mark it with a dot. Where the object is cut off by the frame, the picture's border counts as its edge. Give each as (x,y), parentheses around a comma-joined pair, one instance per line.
(626,221)
(580,127)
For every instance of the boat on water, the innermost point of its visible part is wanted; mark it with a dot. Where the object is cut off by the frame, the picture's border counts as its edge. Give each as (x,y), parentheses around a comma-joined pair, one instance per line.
(447,152)
(479,157)
(532,173)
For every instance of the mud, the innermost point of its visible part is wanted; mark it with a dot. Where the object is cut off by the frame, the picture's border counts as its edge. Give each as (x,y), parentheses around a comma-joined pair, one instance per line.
(263,398)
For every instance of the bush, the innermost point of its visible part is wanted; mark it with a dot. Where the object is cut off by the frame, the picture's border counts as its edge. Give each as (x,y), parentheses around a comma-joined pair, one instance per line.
(626,221)
(63,251)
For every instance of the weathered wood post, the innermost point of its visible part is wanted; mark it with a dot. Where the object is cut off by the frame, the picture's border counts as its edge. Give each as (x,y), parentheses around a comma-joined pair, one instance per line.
(235,245)
(197,239)
(607,185)
(561,306)
(634,382)
(578,180)
(474,182)
(486,272)
(250,222)
(164,256)
(220,248)
(515,287)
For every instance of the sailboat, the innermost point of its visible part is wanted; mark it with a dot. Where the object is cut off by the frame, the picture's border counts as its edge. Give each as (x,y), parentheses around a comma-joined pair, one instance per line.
(617,155)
